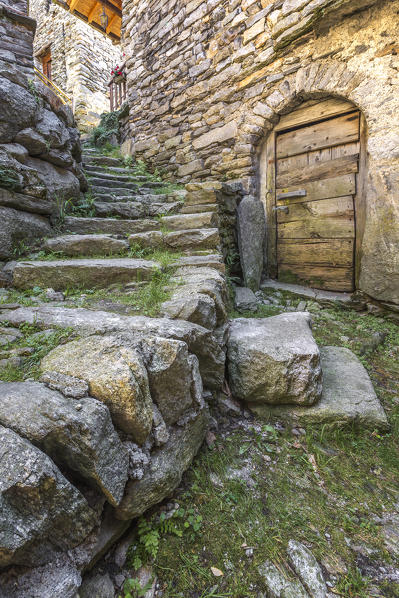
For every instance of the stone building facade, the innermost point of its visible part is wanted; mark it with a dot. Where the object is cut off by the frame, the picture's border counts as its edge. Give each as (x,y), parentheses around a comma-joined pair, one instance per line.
(208,82)
(81,59)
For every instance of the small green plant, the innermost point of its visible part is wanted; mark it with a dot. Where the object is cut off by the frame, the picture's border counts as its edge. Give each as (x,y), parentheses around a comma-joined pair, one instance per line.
(132,588)
(353,584)
(20,248)
(128,161)
(83,208)
(10,179)
(32,89)
(151,531)
(106,130)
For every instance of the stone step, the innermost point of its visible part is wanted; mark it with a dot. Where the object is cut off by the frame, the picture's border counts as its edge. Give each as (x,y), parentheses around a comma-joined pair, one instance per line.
(212,260)
(200,341)
(83,273)
(348,397)
(111,171)
(135,210)
(174,223)
(183,240)
(101,160)
(110,226)
(100,183)
(86,245)
(109,176)
(141,197)
(196,209)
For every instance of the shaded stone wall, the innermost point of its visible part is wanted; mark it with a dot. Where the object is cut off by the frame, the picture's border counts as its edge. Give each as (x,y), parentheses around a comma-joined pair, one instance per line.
(82,59)
(208,81)
(40,161)
(16,35)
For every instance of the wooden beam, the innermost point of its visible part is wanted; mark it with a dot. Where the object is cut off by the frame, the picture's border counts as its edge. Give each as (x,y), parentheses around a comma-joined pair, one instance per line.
(110,24)
(73,4)
(92,12)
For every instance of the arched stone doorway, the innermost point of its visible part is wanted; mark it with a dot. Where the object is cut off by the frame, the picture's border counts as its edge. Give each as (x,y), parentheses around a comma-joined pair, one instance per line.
(313,186)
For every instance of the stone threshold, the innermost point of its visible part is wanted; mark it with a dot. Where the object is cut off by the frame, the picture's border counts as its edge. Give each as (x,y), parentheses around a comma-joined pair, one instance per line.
(308,292)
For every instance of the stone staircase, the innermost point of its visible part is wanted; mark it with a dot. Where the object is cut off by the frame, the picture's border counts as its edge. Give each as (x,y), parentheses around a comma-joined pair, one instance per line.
(128,217)
(130,211)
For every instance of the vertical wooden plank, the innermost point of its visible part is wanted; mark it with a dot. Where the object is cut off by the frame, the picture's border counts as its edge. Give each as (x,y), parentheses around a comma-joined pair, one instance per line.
(271,220)
(360,198)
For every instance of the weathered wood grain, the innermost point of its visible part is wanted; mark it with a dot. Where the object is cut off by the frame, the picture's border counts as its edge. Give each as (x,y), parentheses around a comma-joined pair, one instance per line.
(321,252)
(324,170)
(335,131)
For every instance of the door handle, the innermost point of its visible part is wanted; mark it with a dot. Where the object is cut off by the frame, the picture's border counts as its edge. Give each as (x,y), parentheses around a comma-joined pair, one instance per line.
(298,193)
(284,209)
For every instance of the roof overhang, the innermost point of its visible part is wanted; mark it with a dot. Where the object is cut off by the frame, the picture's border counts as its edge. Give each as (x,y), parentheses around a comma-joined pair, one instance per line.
(90,11)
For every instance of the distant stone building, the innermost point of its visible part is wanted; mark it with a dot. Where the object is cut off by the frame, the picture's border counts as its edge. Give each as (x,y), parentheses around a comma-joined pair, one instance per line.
(296,99)
(76,57)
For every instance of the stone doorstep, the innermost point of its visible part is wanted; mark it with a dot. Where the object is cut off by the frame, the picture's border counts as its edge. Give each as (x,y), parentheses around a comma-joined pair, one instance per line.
(85,273)
(307,292)
(348,396)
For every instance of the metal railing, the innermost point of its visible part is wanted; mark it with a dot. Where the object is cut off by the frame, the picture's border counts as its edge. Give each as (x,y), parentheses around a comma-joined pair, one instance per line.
(118,90)
(50,85)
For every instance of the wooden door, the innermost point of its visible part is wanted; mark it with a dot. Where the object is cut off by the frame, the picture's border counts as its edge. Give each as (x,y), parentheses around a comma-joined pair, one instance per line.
(316,166)
(46,64)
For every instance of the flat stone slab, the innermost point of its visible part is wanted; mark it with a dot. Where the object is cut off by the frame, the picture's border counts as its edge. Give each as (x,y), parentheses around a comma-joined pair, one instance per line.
(207,238)
(316,294)
(112,226)
(213,260)
(274,360)
(86,245)
(348,396)
(84,273)
(200,341)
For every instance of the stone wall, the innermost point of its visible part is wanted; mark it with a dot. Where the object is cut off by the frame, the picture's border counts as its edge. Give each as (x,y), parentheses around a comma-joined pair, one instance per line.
(40,161)
(208,80)
(82,59)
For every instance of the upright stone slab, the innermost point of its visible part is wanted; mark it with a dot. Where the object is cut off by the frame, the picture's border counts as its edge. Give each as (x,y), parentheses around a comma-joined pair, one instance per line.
(274,360)
(251,238)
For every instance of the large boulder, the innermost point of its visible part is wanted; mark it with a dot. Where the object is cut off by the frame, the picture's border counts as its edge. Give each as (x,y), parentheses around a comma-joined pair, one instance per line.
(75,434)
(175,381)
(116,376)
(274,360)
(41,513)
(166,468)
(18,229)
(348,396)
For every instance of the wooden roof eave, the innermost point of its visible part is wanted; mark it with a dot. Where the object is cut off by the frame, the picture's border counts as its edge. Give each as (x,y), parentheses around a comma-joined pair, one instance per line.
(73,9)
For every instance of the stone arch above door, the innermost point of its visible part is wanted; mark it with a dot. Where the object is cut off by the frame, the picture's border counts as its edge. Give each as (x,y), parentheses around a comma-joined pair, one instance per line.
(312,185)
(378,262)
